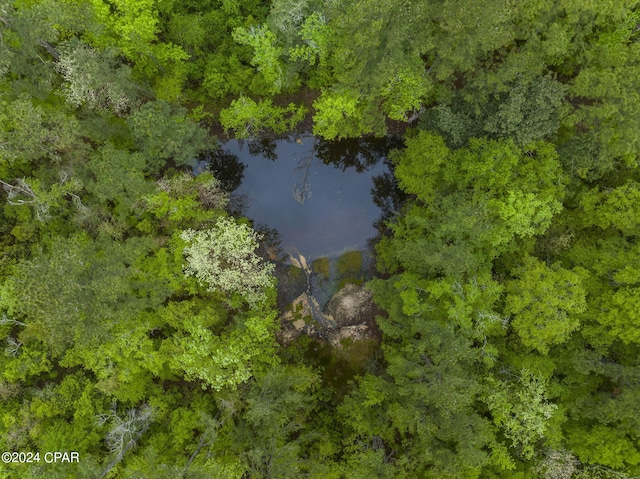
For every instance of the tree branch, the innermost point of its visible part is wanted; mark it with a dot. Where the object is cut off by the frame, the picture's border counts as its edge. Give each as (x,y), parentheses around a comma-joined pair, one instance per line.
(52,51)
(43,43)
(195,453)
(121,454)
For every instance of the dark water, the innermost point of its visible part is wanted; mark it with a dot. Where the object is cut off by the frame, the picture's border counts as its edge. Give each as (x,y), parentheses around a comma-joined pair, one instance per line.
(322,198)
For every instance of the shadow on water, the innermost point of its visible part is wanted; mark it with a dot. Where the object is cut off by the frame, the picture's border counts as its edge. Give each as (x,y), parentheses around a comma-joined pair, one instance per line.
(358,153)
(263,146)
(387,196)
(225,166)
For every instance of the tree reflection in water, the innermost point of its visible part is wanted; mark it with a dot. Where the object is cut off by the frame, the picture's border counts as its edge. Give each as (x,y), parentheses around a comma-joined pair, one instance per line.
(226,167)
(359,153)
(352,184)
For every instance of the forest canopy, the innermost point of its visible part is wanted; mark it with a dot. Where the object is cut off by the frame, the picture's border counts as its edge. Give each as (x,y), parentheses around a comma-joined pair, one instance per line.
(138,309)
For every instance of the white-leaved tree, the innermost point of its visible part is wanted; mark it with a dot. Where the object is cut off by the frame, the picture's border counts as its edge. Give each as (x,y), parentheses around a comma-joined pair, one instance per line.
(224,258)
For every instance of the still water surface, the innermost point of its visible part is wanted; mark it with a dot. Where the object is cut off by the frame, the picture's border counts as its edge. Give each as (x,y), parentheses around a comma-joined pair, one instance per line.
(318,195)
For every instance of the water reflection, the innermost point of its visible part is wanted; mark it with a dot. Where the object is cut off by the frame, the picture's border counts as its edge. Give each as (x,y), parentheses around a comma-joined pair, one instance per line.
(225,166)
(388,196)
(271,244)
(358,153)
(316,197)
(263,147)
(302,187)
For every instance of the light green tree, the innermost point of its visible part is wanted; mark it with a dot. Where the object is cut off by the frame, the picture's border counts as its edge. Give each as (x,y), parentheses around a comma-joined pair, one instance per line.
(545,303)
(338,115)
(248,118)
(617,208)
(133,27)
(266,56)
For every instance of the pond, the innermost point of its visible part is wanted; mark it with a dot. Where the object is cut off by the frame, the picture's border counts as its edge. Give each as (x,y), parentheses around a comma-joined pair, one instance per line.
(319,196)
(322,200)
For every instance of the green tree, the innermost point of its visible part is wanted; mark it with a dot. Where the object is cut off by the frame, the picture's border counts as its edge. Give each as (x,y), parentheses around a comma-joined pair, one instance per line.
(163,132)
(604,91)
(96,79)
(201,349)
(422,408)
(273,427)
(249,119)
(266,56)
(338,115)
(472,203)
(29,132)
(526,110)
(133,27)
(224,259)
(545,303)
(77,291)
(521,410)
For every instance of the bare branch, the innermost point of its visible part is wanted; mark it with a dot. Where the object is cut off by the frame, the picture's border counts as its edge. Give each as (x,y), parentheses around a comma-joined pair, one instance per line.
(21,188)
(6,320)
(129,430)
(13,346)
(52,51)
(201,444)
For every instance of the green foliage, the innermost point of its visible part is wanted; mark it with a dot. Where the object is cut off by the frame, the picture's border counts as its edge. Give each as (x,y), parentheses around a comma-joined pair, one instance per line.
(273,427)
(372,53)
(117,175)
(472,202)
(163,132)
(223,258)
(526,110)
(597,139)
(95,79)
(404,94)
(249,119)
(218,360)
(266,54)
(521,410)
(45,201)
(617,208)
(66,295)
(424,409)
(133,27)
(605,446)
(338,115)
(184,201)
(314,33)
(138,323)
(545,302)
(29,132)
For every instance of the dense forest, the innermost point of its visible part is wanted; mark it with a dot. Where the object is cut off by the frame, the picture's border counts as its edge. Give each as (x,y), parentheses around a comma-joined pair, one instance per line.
(138,312)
